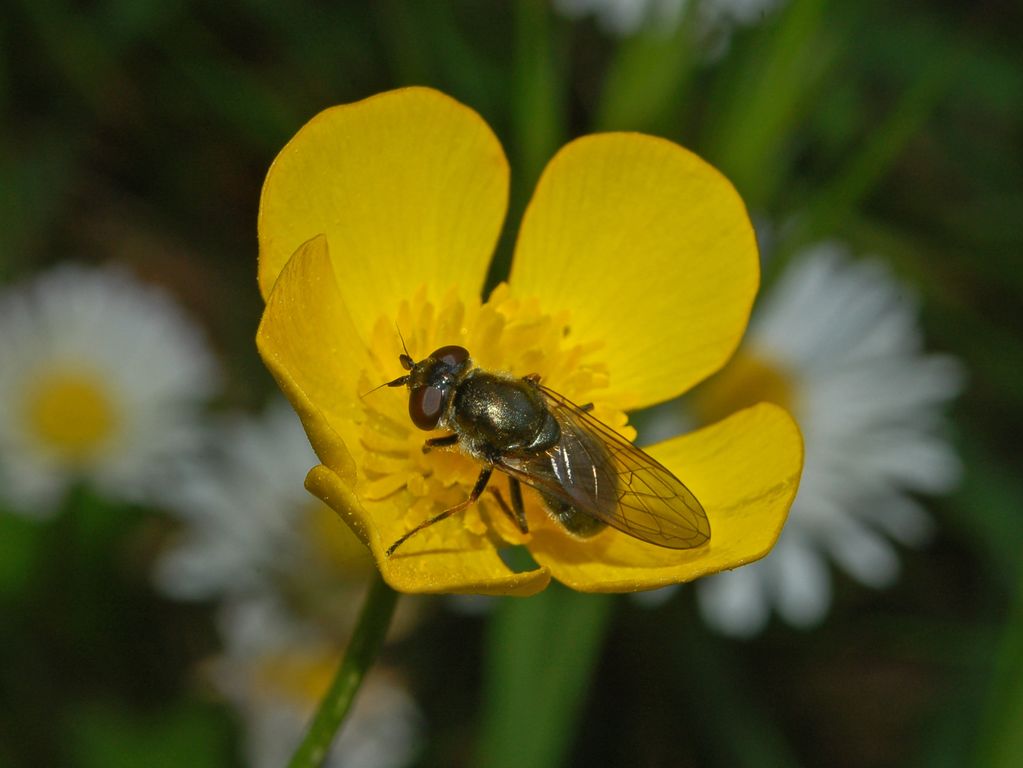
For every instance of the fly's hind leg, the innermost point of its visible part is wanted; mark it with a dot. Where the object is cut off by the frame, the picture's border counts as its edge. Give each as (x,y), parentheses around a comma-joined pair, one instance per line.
(517,510)
(481,483)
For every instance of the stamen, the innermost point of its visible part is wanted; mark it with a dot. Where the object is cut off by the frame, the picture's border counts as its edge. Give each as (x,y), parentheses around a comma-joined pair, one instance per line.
(506,334)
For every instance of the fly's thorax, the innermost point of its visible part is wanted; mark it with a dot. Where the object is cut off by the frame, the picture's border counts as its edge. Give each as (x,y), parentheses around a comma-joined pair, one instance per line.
(496,415)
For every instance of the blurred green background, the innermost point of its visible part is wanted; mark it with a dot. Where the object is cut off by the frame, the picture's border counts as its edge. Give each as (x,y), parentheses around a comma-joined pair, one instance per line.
(139,132)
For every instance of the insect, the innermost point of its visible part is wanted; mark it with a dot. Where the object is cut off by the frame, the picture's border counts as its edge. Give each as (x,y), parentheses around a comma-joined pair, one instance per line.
(588,476)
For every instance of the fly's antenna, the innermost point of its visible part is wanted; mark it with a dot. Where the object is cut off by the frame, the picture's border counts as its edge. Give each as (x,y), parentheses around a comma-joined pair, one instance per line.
(398,382)
(406,362)
(406,359)
(402,340)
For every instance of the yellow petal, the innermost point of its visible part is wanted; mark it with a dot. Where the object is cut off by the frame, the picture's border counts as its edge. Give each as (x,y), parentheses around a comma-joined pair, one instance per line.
(472,571)
(409,187)
(744,470)
(308,341)
(651,250)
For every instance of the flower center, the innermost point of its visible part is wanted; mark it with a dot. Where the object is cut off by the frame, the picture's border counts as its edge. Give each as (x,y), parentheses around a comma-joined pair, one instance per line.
(301,676)
(335,546)
(71,414)
(401,484)
(745,381)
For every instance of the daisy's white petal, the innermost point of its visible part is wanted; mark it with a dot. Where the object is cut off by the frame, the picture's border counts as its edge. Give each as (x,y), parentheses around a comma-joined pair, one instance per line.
(245,510)
(653,598)
(623,18)
(862,553)
(902,518)
(913,461)
(845,337)
(102,380)
(733,602)
(801,584)
(715,20)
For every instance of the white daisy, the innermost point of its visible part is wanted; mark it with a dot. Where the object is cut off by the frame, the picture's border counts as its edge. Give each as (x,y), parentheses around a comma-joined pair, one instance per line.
(245,510)
(623,18)
(715,19)
(102,381)
(275,671)
(838,343)
(249,526)
(292,577)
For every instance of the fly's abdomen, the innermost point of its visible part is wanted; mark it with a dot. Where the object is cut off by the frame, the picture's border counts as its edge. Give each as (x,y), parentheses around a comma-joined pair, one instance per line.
(576,522)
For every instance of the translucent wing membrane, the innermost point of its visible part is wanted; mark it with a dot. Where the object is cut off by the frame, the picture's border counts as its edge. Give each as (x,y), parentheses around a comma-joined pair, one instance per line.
(597,471)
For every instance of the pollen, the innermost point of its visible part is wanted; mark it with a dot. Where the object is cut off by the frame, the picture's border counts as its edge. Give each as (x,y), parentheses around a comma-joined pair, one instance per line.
(71,414)
(506,334)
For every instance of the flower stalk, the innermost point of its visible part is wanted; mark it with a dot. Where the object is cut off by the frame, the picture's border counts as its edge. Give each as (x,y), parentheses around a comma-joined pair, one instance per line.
(359,657)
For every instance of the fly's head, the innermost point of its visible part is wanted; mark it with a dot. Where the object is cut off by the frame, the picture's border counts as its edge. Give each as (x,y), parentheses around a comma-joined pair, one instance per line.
(432,382)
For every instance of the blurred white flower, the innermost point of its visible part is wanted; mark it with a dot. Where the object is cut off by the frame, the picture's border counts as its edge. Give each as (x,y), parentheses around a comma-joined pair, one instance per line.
(248,517)
(837,342)
(275,670)
(291,577)
(101,381)
(623,18)
(715,19)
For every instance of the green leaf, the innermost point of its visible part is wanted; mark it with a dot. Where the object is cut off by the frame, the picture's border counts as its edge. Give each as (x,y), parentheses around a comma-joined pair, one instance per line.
(108,735)
(539,109)
(741,729)
(761,98)
(647,80)
(986,508)
(837,199)
(20,547)
(541,652)
(538,115)
(1001,738)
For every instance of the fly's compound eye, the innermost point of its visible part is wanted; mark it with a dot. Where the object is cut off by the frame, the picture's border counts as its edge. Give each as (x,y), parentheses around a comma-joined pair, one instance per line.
(426,405)
(452,356)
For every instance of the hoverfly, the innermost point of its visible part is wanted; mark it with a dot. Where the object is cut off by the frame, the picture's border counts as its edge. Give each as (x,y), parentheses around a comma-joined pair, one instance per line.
(588,476)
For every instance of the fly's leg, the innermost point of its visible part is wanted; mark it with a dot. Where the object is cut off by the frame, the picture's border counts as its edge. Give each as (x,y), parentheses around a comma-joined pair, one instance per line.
(444,441)
(517,510)
(481,483)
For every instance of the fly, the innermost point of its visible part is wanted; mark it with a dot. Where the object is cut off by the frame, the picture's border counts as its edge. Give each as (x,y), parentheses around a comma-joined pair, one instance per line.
(588,475)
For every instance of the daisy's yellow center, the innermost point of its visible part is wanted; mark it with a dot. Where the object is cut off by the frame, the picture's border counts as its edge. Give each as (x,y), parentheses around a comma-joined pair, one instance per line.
(335,544)
(302,676)
(401,485)
(745,381)
(71,413)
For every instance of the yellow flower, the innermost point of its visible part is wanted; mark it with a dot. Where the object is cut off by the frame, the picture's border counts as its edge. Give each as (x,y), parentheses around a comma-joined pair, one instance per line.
(633,278)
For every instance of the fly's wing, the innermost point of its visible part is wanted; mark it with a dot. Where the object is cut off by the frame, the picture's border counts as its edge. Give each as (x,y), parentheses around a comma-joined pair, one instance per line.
(599,472)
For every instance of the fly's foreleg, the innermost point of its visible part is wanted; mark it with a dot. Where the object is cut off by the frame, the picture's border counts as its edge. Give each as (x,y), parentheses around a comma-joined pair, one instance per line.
(481,483)
(445,441)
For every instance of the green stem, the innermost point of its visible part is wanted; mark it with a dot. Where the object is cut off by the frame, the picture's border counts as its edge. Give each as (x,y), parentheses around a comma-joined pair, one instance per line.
(362,650)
